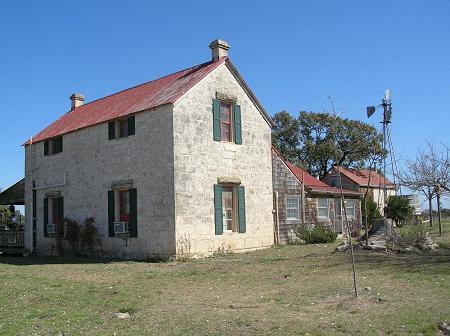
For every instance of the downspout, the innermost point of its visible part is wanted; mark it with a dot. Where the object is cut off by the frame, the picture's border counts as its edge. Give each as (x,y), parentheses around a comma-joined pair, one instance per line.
(303,198)
(277,219)
(33,203)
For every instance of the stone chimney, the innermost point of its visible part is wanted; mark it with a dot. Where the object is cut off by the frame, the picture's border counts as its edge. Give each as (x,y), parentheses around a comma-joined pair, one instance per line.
(77,100)
(219,49)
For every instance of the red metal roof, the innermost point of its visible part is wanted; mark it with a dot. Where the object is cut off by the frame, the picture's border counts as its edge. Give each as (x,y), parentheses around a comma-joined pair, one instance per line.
(312,183)
(361,177)
(145,96)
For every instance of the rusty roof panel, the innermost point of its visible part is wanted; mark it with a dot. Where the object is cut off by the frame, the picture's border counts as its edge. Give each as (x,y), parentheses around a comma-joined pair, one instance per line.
(145,96)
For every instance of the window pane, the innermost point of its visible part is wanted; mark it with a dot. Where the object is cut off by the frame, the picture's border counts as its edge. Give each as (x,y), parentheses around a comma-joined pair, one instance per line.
(322,207)
(225,130)
(229,224)
(292,202)
(350,207)
(123,128)
(323,212)
(57,216)
(228,208)
(225,113)
(124,205)
(323,202)
(292,205)
(292,213)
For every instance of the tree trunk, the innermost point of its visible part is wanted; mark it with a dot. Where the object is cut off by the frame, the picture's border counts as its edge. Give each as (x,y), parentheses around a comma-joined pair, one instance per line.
(430,211)
(438,199)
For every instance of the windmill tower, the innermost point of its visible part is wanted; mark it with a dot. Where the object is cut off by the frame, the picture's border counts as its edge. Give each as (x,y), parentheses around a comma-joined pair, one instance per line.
(387,146)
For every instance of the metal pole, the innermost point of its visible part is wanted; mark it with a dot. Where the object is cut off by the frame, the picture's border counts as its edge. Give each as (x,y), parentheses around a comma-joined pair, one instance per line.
(303,197)
(438,198)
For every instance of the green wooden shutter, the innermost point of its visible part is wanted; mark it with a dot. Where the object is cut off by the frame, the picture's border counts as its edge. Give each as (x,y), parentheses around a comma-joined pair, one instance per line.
(60,229)
(218,219)
(216,120)
(61,207)
(45,216)
(46,143)
(59,141)
(237,125)
(241,208)
(111,130)
(111,213)
(132,221)
(131,125)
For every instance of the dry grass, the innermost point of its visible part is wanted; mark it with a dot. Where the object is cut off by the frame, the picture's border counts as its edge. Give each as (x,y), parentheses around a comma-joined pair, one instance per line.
(289,290)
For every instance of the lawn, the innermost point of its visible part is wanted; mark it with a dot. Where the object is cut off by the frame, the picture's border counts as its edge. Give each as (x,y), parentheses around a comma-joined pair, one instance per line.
(282,290)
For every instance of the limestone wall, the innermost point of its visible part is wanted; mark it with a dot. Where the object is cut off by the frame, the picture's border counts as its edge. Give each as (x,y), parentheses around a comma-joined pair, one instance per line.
(200,161)
(92,163)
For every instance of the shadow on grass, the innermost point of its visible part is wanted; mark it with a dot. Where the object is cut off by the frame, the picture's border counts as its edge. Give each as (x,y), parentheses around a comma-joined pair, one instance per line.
(408,263)
(19,260)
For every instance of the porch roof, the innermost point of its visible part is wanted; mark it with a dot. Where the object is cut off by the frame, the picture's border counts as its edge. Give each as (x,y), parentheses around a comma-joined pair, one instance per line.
(312,184)
(14,195)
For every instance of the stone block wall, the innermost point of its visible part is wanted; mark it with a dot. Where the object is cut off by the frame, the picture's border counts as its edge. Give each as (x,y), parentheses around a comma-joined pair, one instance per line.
(92,163)
(200,161)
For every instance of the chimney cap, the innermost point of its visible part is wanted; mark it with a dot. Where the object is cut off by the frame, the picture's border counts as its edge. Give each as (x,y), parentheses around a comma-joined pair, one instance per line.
(219,49)
(77,96)
(77,100)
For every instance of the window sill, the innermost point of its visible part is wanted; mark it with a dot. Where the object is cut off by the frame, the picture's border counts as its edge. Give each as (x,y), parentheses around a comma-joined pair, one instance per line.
(229,232)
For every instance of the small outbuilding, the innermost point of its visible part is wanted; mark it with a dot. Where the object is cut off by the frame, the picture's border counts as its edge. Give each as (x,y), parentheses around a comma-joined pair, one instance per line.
(301,199)
(363,180)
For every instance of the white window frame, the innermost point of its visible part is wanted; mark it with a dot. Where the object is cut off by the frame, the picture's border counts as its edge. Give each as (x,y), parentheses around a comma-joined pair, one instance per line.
(234,223)
(323,207)
(117,204)
(353,207)
(290,208)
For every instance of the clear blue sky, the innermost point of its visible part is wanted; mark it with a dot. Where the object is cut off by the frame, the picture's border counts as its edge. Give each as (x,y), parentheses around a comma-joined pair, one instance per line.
(292,53)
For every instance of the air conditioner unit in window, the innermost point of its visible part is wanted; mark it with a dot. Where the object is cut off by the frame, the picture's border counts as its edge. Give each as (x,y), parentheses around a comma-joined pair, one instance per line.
(120,227)
(51,228)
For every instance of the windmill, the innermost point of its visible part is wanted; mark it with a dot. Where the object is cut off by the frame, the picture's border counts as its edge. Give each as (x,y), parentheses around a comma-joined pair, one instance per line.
(388,148)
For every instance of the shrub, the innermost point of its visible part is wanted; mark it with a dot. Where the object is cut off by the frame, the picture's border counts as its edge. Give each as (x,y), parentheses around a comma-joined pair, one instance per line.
(72,233)
(372,211)
(89,236)
(412,235)
(398,209)
(316,235)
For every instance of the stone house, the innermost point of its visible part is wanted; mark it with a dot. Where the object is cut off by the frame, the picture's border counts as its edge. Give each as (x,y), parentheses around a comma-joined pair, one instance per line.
(363,180)
(301,199)
(178,165)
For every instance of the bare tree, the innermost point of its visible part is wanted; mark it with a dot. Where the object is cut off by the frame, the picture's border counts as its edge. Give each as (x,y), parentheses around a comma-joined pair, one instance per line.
(429,170)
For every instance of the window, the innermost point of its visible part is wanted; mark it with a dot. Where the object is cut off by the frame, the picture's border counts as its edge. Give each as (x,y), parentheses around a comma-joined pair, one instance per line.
(350,208)
(121,128)
(53,146)
(292,208)
(53,215)
(229,208)
(225,122)
(122,212)
(322,208)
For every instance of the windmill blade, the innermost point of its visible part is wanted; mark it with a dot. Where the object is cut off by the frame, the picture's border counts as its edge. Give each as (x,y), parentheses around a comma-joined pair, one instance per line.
(370,111)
